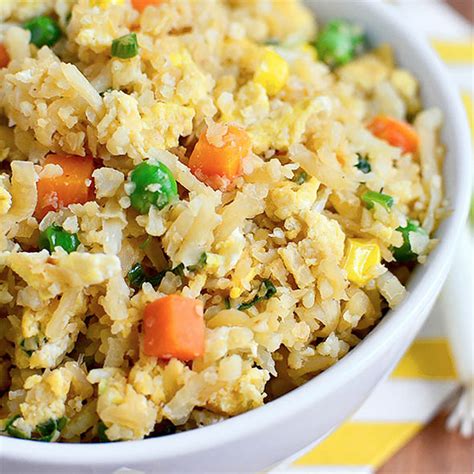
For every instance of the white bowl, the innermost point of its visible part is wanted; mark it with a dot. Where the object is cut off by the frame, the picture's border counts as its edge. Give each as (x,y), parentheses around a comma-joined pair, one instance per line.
(267,435)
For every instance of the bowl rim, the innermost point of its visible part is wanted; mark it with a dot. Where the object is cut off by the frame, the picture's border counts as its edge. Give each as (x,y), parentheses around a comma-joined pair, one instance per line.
(420,296)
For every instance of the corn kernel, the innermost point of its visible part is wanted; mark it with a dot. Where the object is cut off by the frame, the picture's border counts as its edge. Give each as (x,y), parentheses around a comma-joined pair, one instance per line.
(361,258)
(105,3)
(272,72)
(235,292)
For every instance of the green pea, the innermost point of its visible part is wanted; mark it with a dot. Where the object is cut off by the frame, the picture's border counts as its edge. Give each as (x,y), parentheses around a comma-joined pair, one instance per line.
(154,185)
(405,253)
(339,42)
(44,31)
(125,47)
(55,236)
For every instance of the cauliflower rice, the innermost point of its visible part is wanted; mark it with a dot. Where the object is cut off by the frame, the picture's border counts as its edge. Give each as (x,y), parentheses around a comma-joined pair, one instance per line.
(72,364)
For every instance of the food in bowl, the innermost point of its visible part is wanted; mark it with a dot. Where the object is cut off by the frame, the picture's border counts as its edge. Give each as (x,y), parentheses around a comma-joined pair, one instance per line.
(204,204)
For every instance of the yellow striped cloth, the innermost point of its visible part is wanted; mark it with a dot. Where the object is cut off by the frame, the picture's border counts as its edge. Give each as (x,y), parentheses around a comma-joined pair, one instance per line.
(426,376)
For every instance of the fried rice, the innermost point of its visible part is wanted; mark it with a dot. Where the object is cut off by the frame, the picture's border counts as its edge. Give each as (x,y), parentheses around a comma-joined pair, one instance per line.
(72,360)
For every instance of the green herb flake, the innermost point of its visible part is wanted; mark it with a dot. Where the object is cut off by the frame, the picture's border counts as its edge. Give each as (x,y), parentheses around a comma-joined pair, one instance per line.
(13,430)
(301,177)
(101,432)
(29,345)
(404,253)
(137,276)
(265,292)
(179,270)
(201,263)
(51,429)
(363,164)
(370,198)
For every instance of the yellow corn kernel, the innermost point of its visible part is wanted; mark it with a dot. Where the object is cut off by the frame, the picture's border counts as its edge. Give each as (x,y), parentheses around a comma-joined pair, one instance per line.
(105,3)
(362,257)
(235,292)
(272,73)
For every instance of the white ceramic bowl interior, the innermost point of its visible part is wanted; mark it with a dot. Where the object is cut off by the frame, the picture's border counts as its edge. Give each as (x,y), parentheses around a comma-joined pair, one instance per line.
(262,437)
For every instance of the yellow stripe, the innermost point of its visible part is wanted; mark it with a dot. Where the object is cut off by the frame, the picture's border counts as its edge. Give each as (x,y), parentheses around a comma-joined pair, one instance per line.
(361,444)
(427,359)
(455,51)
(467,100)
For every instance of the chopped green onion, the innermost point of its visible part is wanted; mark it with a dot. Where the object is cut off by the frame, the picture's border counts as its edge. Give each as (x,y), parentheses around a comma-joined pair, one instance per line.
(227,302)
(265,292)
(370,198)
(200,264)
(44,31)
(339,42)
(55,236)
(301,177)
(101,432)
(125,47)
(154,185)
(29,345)
(137,276)
(404,253)
(51,429)
(179,270)
(47,431)
(13,430)
(363,164)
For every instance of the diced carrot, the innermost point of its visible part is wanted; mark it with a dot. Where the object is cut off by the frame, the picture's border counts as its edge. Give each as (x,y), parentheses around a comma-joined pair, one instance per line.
(217,164)
(4,56)
(140,5)
(395,132)
(74,186)
(174,327)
